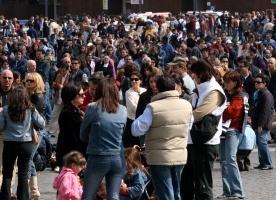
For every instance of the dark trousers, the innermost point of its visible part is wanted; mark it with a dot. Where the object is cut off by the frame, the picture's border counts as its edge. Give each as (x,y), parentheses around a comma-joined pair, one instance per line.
(243,159)
(22,151)
(203,157)
(187,187)
(128,139)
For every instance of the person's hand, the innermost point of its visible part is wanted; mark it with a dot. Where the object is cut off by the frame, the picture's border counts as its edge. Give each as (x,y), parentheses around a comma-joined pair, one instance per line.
(260,129)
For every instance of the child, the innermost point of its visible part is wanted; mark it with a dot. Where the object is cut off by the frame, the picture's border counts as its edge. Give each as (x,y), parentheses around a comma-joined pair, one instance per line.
(67,183)
(247,142)
(135,177)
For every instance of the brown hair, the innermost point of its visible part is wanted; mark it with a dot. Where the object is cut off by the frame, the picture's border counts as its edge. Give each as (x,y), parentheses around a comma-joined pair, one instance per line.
(133,160)
(19,102)
(203,69)
(235,77)
(73,157)
(107,95)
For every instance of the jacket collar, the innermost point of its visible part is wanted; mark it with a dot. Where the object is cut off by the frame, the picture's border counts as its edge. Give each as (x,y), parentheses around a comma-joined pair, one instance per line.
(164,95)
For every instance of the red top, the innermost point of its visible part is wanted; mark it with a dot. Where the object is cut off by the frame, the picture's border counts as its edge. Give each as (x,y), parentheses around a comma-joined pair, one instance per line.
(235,112)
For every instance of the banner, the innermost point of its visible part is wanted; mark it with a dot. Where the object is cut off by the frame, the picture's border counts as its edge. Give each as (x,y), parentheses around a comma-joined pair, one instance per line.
(105,4)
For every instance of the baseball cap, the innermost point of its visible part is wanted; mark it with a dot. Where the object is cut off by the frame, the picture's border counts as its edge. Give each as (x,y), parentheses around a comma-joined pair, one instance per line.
(178,61)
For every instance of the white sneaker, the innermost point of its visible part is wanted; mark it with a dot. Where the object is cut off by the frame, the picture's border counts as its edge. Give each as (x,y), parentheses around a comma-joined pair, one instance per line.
(56,169)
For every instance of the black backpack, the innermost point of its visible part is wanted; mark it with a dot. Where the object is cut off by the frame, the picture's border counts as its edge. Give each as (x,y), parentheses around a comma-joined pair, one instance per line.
(43,154)
(180,26)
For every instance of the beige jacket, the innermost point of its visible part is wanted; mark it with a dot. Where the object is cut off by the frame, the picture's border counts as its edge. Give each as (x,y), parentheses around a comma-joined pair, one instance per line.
(166,139)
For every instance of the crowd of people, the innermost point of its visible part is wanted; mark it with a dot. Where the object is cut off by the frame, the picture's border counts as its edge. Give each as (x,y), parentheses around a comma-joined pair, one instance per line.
(107,92)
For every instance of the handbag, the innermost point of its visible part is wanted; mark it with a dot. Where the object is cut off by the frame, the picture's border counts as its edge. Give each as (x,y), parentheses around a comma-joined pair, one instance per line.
(34,136)
(205,129)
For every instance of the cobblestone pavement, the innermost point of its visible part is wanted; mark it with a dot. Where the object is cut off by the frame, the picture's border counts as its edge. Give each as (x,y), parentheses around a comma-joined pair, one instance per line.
(258,184)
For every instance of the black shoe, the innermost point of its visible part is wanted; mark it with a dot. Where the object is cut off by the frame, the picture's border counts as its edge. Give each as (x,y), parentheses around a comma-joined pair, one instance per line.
(258,167)
(266,168)
(271,142)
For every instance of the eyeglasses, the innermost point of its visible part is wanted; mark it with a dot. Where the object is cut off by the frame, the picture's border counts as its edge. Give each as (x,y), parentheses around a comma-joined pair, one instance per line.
(134,79)
(5,77)
(74,63)
(30,81)
(258,82)
(81,95)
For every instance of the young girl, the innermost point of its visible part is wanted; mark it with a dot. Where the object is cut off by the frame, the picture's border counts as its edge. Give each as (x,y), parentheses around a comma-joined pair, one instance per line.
(67,183)
(135,177)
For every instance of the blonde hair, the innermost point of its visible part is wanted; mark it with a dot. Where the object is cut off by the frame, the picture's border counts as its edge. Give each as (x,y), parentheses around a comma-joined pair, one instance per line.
(40,86)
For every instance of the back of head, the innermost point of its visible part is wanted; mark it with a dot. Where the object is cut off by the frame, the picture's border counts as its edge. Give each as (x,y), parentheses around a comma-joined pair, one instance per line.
(74,157)
(165,83)
(203,69)
(107,95)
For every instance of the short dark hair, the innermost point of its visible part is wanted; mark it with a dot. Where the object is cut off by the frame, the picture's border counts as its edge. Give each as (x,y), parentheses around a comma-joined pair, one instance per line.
(136,73)
(69,92)
(265,78)
(75,59)
(203,69)
(241,59)
(64,66)
(235,77)
(40,50)
(165,83)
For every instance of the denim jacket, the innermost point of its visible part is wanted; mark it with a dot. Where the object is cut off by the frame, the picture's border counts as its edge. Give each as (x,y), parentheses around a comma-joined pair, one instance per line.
(20,131)
(135,184)
(103,130)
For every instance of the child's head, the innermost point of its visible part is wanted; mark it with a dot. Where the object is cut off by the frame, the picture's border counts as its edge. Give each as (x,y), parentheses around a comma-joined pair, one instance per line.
(74,160)
(133,159)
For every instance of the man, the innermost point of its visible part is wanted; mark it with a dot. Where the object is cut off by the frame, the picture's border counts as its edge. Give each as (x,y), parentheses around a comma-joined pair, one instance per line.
(31,66)
(43,68)
(263,113)
(18,63)
(272,88)
(5,89)
(257,60)
(200,44)
(248,81)
(90,93)
(166,122)
(76,75)
(179,66)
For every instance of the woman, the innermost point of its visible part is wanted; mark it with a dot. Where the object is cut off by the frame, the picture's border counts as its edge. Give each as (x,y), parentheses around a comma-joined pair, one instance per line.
(16,120)
(60,40)
(145,99)
(231,178)
(104,123)
(209,98)
(132,97)
(184,93)
(145,71)
(69,122)
(60,81)
(35,87)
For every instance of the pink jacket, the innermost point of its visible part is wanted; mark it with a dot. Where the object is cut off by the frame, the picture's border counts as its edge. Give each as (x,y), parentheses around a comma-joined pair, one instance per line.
(67,184)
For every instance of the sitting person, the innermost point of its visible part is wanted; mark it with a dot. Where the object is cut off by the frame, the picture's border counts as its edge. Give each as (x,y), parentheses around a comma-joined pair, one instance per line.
(135,177)
(247,142)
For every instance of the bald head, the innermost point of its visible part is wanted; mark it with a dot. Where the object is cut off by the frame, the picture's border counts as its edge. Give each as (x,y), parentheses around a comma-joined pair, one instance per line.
(6,80)
(271,64)
(31,66)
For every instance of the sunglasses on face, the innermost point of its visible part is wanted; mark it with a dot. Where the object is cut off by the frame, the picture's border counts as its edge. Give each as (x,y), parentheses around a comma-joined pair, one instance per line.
(81,95)
(258,82)
(29,81)
(134,79)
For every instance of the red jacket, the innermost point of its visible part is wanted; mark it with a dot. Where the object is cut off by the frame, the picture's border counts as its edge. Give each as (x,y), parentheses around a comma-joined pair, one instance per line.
(235,112)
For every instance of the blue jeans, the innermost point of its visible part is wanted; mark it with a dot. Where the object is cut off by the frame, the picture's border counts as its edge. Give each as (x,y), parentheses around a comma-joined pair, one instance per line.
(48,109)
(263,150)
(166,181)
(32,170)
(231,177)
(22,151)
(111,167)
